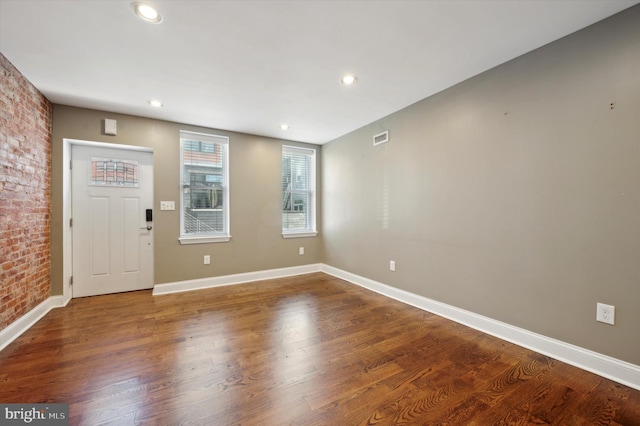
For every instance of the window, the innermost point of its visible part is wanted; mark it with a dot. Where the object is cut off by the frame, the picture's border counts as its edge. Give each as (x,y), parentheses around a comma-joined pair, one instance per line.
(204,175)
(114,172)
(298,192)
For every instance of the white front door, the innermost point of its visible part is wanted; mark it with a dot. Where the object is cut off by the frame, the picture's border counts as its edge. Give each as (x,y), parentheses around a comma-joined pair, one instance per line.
(111,190)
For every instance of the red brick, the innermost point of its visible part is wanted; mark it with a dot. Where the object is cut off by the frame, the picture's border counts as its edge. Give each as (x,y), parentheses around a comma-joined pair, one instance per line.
(25,197)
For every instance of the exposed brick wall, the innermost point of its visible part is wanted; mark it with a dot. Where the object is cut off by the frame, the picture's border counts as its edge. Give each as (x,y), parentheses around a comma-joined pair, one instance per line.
(25,181)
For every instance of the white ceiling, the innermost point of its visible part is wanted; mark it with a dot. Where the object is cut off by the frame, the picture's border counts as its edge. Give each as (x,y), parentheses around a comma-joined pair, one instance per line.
(249,66)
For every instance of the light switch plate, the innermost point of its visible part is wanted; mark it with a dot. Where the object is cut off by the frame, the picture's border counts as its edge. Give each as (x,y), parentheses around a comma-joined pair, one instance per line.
(167,205)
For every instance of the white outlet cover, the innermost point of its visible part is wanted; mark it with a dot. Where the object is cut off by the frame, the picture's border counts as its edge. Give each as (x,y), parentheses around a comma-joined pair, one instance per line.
(606,313)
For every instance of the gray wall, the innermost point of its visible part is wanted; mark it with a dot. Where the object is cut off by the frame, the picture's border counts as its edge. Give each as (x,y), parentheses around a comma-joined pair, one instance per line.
(515,194)
(255,198)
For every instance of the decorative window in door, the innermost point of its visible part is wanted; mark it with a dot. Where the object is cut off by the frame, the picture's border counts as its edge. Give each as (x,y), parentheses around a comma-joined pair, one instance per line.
(113,172)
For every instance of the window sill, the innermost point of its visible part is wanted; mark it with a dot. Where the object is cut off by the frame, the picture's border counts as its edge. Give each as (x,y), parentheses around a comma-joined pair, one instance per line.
(205,239)
(303,234)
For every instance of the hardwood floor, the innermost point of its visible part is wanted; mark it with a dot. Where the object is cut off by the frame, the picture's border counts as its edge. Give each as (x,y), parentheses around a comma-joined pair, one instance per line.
(306,350)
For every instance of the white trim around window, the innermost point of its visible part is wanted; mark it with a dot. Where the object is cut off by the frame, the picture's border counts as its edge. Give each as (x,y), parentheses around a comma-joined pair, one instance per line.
(298,192)
(204,188)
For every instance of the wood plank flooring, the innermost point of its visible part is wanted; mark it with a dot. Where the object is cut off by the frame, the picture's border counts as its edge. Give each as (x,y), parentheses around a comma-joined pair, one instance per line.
(305,350)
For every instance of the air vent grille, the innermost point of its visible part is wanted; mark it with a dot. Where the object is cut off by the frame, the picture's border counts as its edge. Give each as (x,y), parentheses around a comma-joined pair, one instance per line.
(381,138)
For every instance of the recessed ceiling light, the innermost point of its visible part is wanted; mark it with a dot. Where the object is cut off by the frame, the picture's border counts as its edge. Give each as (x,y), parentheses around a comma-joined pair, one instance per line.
(146,12)
(348,80)
(155,103)
(284,126)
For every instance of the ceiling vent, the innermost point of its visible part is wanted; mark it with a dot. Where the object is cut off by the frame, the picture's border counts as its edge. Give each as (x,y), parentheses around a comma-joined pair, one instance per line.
(381,138)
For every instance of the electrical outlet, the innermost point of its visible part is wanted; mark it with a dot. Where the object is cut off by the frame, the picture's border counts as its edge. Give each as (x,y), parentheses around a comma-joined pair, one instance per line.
(207,259)
(301,251)
(392,265)
(606,313)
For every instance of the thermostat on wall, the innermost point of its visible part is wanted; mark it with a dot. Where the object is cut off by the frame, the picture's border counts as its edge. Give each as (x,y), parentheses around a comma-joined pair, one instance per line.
(110,127)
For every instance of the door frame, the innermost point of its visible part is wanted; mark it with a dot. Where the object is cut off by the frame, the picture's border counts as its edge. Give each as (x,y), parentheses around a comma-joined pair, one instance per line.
(67,237)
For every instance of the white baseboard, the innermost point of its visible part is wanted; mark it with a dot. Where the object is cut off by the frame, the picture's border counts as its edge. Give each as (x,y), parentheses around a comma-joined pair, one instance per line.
(59,301)
(614,369)
(15,329)
(211,282)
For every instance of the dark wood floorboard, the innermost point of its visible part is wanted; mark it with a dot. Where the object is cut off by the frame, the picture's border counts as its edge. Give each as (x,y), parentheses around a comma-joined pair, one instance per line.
(306,350)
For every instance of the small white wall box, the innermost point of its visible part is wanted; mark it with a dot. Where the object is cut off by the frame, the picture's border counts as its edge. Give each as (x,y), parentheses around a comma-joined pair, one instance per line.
(110,127)
(381,138)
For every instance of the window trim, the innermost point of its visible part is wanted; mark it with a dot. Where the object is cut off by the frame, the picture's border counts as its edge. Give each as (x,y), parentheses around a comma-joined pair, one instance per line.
(311,230)
(214,237)
(204,239)
(299,234)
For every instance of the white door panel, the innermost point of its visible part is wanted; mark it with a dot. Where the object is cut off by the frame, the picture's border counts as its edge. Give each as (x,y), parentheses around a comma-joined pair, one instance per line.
(131,231)
(98,241)
(112,247)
